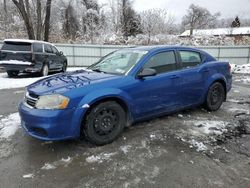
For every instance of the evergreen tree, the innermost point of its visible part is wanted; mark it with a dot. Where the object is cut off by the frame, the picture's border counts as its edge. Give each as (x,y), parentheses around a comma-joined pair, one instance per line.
(236,22)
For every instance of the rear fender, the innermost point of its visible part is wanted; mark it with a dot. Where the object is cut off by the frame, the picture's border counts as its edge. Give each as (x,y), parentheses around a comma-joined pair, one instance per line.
(215,78)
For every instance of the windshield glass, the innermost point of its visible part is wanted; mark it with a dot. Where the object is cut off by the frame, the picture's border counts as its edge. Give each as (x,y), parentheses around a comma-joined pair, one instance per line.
(119,62)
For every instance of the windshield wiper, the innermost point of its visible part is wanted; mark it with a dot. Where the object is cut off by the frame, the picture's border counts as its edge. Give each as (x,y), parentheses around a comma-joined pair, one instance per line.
(98,70)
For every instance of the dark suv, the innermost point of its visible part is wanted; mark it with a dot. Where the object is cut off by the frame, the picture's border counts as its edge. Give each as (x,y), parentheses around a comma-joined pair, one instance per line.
(31,56)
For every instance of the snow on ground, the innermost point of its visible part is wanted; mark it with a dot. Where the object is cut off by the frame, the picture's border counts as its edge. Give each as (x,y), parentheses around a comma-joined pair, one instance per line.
(63,162)
(100,158)
(9,125)
(8,83)
(199,133)
(241,69)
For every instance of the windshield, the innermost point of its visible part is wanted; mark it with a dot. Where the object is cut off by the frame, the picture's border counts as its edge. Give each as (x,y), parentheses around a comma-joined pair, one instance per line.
(119,62)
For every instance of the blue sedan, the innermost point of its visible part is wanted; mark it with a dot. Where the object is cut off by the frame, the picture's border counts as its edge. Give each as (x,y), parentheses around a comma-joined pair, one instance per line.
(124,87)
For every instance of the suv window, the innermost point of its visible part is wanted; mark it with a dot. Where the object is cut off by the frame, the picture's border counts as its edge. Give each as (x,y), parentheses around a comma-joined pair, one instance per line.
(47,48)
(16,46)
(55,51)
(162,62)
(190,59)
(37,47)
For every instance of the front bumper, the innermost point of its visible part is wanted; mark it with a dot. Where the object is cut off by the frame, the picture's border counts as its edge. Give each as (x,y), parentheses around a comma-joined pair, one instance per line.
(49,124)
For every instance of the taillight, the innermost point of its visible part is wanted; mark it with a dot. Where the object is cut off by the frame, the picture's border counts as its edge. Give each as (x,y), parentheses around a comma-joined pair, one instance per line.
(229,68)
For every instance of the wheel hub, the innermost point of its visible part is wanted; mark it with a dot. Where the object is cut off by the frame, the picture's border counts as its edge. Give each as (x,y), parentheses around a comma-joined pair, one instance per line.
(105,122)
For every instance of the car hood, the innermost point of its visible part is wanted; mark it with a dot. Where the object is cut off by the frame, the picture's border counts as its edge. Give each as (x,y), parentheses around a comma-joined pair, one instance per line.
(61,83)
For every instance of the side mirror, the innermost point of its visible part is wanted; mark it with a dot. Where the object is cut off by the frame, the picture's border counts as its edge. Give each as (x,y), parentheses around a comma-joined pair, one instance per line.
(61,53)
(146,72)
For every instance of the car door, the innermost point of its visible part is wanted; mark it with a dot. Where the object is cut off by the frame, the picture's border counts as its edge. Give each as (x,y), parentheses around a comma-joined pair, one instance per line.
(157,94)
(193,77)
(50,56)
(58,58)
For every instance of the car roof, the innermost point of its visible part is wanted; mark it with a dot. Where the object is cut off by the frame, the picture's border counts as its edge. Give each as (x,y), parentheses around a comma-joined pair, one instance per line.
(27,41)
(163,47)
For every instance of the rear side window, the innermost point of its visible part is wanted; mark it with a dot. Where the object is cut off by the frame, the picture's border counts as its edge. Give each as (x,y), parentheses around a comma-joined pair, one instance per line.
(48,48)
(23,47)
(162,62)
(190,59)
(37,47)
(55,51)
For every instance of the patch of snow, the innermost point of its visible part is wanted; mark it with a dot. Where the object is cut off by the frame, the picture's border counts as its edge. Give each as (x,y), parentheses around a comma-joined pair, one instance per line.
(9,83)
(198,145)
(238,110)
(152,136)
(180,115)
(206,127)
(28,176)
(125,148)
(240,69)
(100,158)
(48,166)
(68,160)
(9,125)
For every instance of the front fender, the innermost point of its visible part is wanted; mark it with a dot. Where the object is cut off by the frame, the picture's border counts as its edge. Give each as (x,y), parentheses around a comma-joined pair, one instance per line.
(93,97)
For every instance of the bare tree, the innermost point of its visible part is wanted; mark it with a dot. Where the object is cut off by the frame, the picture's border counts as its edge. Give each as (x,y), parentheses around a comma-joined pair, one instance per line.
(21,6)
(198,17)
(47,20)
(155,21)
(70,25)
(130,21)
(24,9)
(91,19)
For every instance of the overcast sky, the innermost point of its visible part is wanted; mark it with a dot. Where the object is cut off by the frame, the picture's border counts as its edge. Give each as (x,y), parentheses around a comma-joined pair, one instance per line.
(227,8)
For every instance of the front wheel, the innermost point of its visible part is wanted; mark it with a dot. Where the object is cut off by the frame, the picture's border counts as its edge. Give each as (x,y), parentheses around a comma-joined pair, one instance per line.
(12,74)
(215,97)
(104,123)
(64,67)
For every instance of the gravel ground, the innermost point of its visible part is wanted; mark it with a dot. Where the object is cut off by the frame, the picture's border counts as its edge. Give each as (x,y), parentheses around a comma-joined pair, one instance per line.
(192,148)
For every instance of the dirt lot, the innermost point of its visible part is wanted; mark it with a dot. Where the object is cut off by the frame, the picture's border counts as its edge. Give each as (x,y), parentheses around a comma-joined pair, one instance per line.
(193,148)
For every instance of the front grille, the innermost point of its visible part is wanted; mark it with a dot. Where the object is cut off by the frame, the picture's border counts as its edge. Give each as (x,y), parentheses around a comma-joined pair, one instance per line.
(31,99)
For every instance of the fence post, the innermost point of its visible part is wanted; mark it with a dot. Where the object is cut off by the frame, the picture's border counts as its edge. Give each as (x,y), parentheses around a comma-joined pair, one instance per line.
(218,52)
(100,47)
(248,61)
(73,49)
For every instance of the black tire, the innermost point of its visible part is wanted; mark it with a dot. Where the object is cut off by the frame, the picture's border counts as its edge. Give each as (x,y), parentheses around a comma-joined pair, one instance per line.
(64,67)
(104,123)
(12,74)
(45,70)
(215,97)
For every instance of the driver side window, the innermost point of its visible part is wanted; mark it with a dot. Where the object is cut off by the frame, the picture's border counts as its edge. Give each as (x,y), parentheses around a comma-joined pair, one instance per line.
(162,62)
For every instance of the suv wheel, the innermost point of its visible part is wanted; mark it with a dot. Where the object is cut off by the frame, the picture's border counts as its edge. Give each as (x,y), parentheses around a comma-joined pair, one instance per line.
(12,73)
(215,97)
(64,68)
(104,123)
(45,70)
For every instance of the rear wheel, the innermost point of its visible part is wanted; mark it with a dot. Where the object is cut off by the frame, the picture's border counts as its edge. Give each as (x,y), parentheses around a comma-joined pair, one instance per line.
(45,70)
(104,123)
(12,73)
(215,97)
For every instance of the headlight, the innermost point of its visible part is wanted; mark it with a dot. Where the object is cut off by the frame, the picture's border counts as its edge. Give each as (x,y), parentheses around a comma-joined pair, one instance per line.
(54,101)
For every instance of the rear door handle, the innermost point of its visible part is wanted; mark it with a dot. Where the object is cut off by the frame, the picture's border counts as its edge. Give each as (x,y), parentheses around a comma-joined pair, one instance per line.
(174,76)
(205,70)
